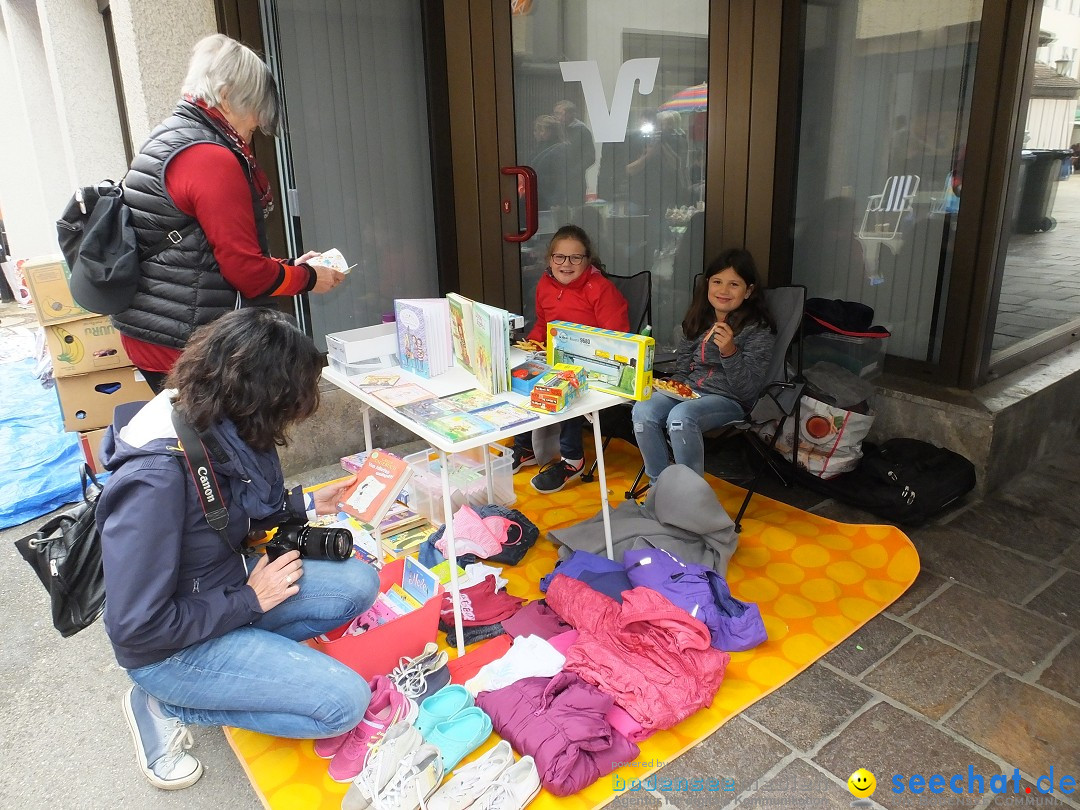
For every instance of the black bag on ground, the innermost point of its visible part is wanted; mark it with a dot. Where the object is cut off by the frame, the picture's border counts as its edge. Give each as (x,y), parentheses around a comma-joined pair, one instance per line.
(904,481)
(65,553)
(101,250)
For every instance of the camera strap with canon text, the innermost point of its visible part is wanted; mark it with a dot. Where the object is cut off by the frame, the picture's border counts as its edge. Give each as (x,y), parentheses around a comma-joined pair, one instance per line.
(202,473)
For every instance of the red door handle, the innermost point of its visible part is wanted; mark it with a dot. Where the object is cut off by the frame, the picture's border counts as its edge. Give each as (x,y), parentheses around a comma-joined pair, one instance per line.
(527,181)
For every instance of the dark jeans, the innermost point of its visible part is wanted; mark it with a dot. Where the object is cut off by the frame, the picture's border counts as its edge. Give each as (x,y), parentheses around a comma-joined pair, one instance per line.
(570,442)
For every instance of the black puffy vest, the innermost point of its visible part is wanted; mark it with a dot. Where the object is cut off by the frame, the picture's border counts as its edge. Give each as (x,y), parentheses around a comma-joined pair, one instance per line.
(180,288)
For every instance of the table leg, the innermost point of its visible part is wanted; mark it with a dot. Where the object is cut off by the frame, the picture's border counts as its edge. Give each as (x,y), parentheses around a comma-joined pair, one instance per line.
(366,411)
(451,549)
(598,441)
(488,476)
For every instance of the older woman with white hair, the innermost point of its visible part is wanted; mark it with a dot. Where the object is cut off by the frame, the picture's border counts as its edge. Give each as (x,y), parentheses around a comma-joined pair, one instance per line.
(195,184)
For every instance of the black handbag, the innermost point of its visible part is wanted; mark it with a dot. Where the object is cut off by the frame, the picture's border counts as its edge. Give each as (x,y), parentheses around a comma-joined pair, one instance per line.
(66,555)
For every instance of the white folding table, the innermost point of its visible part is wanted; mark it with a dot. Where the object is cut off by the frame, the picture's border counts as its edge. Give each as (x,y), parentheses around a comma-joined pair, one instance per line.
(455,380)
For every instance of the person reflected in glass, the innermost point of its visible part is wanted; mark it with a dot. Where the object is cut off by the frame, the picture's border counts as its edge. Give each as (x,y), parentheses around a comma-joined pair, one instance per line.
(722,359)
(575,289)
(550,161)
(581,151)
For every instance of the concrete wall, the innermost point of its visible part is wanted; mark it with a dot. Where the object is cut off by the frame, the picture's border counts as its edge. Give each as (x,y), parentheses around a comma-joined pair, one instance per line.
(61,129)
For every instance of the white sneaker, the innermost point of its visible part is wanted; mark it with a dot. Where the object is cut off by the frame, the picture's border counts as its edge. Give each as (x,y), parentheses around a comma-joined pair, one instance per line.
(518,785)
(473,779)
(160,744)
(397,745)
(414,781)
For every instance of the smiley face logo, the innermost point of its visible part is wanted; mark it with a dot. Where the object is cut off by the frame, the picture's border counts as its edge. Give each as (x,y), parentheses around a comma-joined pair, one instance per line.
(862,784)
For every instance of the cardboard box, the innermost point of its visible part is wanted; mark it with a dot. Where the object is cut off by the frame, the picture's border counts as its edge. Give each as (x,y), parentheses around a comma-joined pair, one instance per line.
(90,441)
(557,389)
(367,343)
(79,347)
(524,376)
(617,363)
(87,401)
(377,651)
(47,277)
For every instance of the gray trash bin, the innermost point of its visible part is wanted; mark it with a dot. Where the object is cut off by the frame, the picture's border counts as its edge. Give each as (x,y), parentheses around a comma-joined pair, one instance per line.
(1040,170)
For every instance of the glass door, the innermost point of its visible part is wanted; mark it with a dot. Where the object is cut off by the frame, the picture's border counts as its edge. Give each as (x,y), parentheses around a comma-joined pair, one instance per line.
(610,106)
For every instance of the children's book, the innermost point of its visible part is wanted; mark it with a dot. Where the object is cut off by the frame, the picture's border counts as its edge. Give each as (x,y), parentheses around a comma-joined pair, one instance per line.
(365,547)
(492,333)
(427,410)
(398,519)
(472,400)
(418,581)
(377,486)
(378,379)
(400,597)
(461,426)
(461,329)
(408,541)
(505,415)
(424,342)
(398,395)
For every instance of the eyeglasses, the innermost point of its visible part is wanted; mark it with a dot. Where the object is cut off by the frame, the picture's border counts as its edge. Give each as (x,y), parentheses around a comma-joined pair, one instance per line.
(562,258)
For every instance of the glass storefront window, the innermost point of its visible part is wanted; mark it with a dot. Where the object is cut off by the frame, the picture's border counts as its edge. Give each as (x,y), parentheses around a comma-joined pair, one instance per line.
(610,104)
(885,105)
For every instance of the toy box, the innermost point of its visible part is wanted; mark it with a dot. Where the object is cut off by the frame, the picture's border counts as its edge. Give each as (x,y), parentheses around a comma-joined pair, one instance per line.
(88,344)
(556,389)
(864,356)
(524,376)
(618,363)
(378,650)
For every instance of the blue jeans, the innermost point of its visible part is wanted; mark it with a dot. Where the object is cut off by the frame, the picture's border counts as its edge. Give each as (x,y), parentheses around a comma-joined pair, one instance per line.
(684,422)
(571,443)
(258,677)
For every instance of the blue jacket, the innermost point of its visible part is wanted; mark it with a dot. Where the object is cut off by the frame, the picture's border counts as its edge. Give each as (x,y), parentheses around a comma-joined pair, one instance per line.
(170,580)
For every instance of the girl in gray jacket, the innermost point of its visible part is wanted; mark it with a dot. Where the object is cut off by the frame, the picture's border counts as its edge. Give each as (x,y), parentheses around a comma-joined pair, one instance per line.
(722,358)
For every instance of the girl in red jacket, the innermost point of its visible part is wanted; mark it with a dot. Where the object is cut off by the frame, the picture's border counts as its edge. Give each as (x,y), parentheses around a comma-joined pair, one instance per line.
(574,289)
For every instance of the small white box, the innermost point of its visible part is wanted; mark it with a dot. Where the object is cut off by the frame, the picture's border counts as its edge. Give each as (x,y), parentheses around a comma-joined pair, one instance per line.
(365,343)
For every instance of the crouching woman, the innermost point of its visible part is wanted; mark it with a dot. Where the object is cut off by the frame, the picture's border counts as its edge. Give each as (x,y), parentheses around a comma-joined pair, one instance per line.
(208,635)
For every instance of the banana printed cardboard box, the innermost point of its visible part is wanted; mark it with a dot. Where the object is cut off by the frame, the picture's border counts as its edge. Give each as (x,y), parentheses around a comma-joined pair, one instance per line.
(47,277)
(87,401)
(617,363)
(79,347)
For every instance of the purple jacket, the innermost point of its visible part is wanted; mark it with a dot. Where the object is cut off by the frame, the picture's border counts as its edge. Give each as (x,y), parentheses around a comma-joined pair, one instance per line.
(559,722)
(701,592)
(598,572)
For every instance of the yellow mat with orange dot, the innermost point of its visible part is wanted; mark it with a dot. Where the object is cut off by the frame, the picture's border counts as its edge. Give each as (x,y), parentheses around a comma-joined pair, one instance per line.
(816,581)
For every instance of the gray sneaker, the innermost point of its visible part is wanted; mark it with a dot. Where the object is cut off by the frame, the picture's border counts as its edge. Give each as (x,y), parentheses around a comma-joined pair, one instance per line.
(423,675)
(160,744)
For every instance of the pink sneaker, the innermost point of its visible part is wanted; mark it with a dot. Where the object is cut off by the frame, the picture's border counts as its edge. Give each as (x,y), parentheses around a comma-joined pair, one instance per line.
(328,746)
(387,707)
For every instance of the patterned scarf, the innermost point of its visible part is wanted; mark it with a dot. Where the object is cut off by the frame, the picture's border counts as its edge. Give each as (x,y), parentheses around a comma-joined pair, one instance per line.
(258,176)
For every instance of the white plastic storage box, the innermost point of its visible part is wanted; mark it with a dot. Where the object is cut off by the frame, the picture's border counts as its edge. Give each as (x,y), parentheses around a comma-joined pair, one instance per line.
(467,481)
(363,345)
(859,355)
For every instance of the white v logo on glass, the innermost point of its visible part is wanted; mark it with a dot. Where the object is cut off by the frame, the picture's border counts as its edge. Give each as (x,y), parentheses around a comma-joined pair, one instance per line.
(609,124)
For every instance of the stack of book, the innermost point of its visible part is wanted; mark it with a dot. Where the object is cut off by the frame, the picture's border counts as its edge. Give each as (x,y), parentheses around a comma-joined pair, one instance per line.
(418,585)
(462,416)
(480,336)
(423,328)
(403,531)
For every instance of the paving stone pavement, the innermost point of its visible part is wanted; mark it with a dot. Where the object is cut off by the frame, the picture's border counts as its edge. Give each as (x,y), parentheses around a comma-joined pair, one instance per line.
(976,667)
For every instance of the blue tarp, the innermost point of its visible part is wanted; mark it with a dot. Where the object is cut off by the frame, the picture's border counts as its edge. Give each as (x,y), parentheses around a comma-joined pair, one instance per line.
(39,462)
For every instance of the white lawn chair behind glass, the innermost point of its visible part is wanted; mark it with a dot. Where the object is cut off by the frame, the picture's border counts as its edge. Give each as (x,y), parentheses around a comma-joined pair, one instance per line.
(882,219)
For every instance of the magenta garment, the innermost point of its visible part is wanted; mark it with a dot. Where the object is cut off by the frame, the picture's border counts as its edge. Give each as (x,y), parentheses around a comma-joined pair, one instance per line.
(563,641)
(535,619)
(653,658)
(481,605)
(560,722)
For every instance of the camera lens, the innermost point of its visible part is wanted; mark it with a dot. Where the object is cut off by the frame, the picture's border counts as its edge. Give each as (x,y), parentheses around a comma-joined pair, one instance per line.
(319,543)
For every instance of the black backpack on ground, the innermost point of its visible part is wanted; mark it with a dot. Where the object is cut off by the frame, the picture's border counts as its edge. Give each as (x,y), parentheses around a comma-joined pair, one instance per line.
(98,241)
(903,481)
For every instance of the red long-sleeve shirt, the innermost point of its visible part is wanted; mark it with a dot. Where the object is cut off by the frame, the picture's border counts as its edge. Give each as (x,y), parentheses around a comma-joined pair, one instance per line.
(206,181)
(590,299)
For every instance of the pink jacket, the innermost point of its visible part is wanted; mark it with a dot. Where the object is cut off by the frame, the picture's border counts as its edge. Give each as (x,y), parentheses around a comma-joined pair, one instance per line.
(653,658)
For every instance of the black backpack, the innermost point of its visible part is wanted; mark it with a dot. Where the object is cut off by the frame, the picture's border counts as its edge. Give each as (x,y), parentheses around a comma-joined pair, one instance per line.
(903,481)
(99,245)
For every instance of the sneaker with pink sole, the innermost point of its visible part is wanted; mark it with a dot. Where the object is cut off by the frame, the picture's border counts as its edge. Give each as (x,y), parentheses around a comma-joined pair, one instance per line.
(387,706)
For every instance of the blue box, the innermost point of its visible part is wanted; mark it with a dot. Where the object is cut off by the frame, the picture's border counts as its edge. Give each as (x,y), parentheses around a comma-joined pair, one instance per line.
(524,377)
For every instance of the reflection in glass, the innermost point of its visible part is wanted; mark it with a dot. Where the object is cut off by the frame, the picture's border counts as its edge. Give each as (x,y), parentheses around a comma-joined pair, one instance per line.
(610,106)
(886,96)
